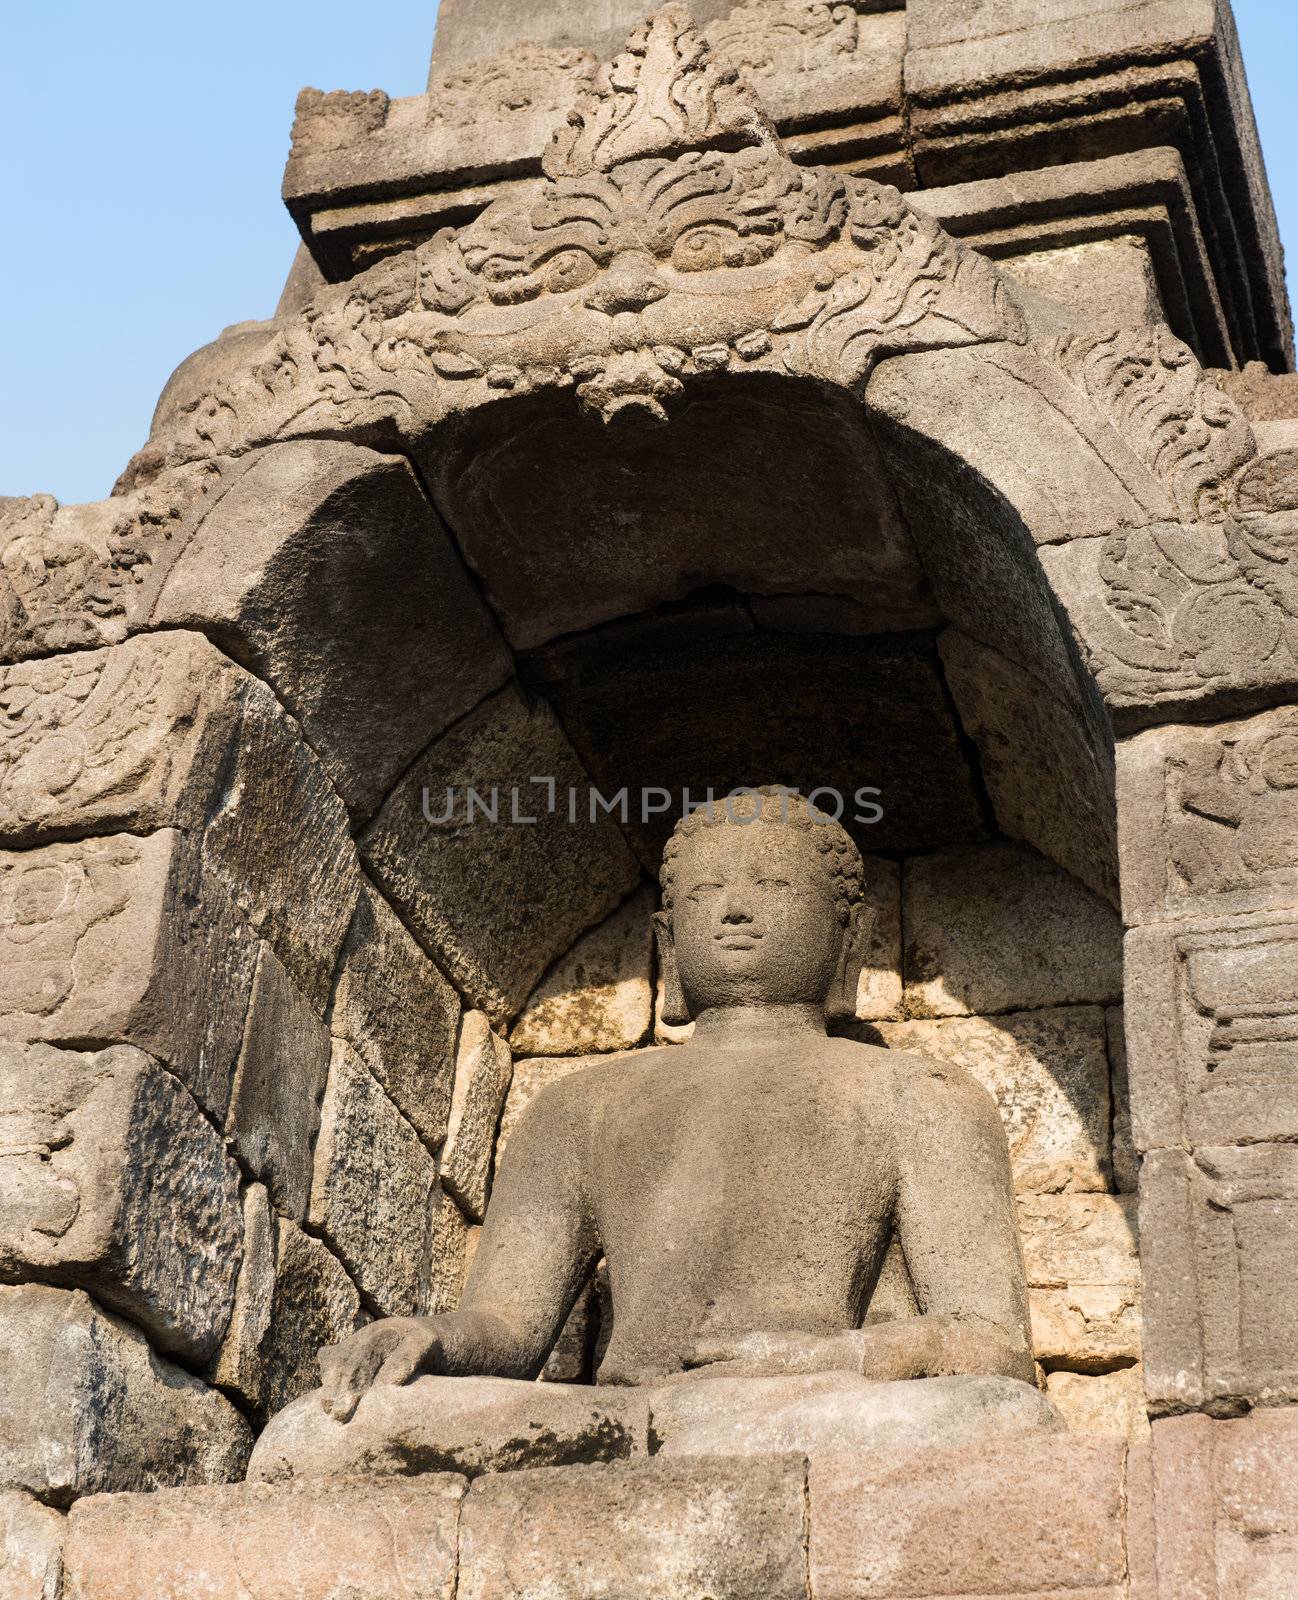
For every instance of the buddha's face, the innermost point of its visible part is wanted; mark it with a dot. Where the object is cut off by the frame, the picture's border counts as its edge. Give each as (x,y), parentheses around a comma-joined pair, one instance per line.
(753,917)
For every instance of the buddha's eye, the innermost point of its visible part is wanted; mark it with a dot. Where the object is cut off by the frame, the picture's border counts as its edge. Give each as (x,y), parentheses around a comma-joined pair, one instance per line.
(701,890)
(773,883)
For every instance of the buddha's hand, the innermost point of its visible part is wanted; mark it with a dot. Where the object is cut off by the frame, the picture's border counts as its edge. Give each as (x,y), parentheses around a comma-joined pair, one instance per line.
(392,1351)
(768,1355)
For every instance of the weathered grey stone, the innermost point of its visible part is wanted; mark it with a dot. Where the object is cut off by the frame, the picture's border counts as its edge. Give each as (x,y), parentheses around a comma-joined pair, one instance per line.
(715,1529)
(1210,1030)
(124,940)
(1102,1402)
(1208,818)
(483,1069)
(31,1549)
(293,1297)
(301,900)
(86,1407)
(448,1253)
(293,572)
(494,900)
(1218,1229)
(834,1411)
(112,1180)
(299,1541)
(1083,1272)
(997,928)
(1049,781)
(599,995)
(1049,1073)
(131,737)
(879,989)
(1038,1517)
(1126,1163)
(469,1425)
(372,1197)
(1104,283)
(529,1078)
(275,1103)
(399,1014)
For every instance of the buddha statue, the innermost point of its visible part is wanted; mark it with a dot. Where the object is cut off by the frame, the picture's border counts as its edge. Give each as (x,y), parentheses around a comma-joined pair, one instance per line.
(746,1189)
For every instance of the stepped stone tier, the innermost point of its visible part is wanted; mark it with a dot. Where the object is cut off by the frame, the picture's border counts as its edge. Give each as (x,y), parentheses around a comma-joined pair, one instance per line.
(437,1158)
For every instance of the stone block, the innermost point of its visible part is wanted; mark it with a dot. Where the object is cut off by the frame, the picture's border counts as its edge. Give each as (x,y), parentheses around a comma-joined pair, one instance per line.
(300,1541)
(1050,1075)
(275,1105)
(470,1425)
(295,567)
(130,738)
(879,988)
(599,995)
(1211,1030)
(125,940)
(164,731)
(1219,1236)
(1083,1270)
(483,1069)
(86,1407)
(448,1253)
(1102,1402)
(997,927)
(1126,1163)
(495,901)
(1218,1501)
(373,1193)
(1208,818)
(1038,1516)
(277,795)
(1048,775)
(31,1549)
(399,1014)
(112,1180)
(689,1530)
(293,1297)
(1105,283)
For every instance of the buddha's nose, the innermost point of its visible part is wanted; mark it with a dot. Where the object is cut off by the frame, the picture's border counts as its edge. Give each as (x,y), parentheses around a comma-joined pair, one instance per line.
(736,911)
(630,284)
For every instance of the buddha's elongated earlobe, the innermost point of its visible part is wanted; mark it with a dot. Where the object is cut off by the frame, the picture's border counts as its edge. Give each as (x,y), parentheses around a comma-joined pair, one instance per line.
(840,1003)
(675,1011)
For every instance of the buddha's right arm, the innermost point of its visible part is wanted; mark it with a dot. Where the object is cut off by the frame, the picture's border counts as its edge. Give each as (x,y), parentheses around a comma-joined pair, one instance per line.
(536,1250)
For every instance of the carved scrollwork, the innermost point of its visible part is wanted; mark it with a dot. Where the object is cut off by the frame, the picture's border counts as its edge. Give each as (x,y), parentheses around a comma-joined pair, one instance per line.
(773,36)
(525,79)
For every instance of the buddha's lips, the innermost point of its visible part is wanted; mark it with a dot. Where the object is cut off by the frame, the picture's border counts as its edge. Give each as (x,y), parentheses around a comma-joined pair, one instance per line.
(738,941)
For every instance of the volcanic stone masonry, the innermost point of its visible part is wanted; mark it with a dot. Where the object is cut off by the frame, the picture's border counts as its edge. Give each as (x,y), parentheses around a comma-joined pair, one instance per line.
(870,398)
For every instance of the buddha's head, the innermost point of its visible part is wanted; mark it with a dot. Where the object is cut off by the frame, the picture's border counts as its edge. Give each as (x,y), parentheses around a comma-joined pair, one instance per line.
(762,905)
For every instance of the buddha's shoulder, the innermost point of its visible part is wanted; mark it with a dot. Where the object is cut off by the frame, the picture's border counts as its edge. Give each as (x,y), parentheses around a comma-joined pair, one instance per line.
(934,1086)
(555,1085)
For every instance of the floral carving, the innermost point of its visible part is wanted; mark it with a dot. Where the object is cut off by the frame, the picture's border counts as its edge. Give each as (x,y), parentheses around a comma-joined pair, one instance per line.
(527,78)
(770,36)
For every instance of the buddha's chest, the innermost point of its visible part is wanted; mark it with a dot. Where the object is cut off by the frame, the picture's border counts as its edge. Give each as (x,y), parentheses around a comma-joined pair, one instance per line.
(746,1158)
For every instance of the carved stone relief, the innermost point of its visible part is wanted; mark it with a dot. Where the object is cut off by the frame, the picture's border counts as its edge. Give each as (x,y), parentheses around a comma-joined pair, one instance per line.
(526,78)
(772,36)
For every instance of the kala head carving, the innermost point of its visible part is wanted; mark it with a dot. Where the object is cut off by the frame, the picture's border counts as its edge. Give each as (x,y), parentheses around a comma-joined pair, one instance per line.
(761,906)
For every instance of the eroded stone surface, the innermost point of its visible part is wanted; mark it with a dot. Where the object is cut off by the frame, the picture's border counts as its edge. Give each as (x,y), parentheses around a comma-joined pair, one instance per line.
(1083,1271)
(720,1530)
(372,1196)
(293,1297)
(112,1180)
(1048,774)
(879,989)
(398,1013)
(483,1069)
(294,567)
(300,1541)
(1025,1516)
(497,901)
(125,940)
(1049,1073)
(1104,1402)
(448,1253)
(597,997)
(998,927)
(275,1103)
(470,1425)
(31,1549)
(86,1407)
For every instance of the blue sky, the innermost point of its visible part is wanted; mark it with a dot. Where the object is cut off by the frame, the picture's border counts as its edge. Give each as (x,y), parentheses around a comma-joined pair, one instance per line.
(144,142)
